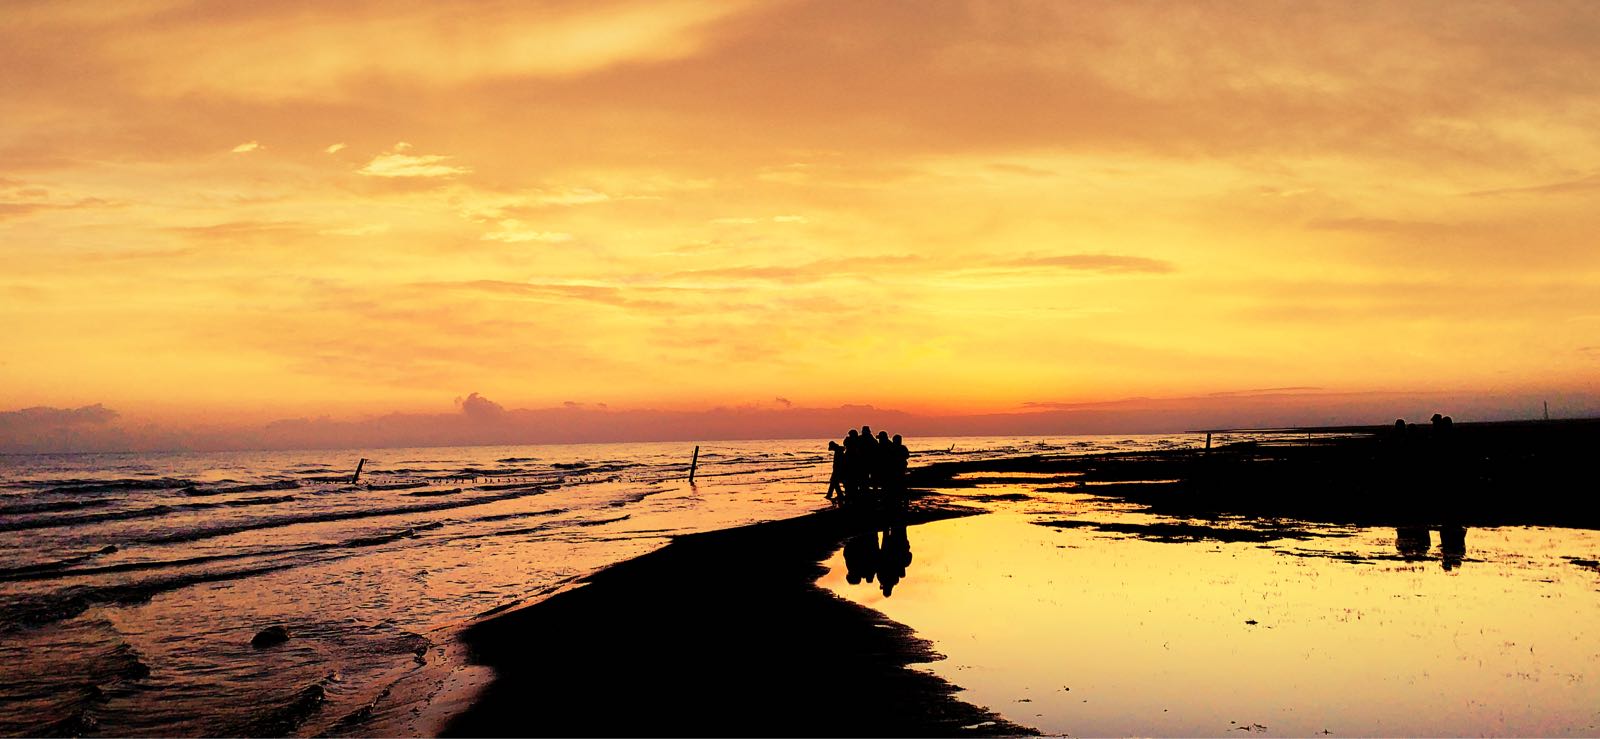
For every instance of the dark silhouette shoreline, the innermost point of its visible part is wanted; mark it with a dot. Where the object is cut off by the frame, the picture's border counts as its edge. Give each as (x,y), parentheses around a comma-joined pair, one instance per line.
(1530,473)
(719,634)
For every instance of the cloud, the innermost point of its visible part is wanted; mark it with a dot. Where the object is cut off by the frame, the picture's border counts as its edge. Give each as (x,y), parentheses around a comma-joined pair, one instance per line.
(44,417)
(334,148)
(1580,185)
(785,402)
(513,231)
(478,407)
(745,221)
(398,164)
(240,51)
(247,146)
(1108,263)
(1382,226)
(575,196)
(19,209)
(367,229)
(235,230)
(603,294)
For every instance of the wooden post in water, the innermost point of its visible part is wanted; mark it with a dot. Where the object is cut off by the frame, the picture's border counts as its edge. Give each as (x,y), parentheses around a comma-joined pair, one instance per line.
(357,476)
(1208,441)
(694,463)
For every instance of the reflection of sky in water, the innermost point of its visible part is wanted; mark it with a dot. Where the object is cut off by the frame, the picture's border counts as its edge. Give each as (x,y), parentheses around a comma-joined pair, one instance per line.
(1089,632)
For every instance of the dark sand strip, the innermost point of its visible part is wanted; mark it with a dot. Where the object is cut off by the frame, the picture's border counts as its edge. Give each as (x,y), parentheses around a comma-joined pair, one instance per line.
(718,634)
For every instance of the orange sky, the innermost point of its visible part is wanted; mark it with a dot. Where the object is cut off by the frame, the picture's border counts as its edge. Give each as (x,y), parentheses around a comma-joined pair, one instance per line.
(241,211)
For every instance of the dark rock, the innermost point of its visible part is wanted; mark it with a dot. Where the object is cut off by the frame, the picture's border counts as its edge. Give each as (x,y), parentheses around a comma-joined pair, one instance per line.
(108,549)
(270,637)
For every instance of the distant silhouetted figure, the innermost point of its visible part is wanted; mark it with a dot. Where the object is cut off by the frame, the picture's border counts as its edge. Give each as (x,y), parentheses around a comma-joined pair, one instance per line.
(893,559)
(861,557)
(1400,425)
(836,480)
(1413,542)
(1452,545)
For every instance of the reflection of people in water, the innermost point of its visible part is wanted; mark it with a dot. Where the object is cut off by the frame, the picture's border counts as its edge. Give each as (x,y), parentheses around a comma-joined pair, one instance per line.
(861,557)
(1413,542)
(893,559)
(1452,545)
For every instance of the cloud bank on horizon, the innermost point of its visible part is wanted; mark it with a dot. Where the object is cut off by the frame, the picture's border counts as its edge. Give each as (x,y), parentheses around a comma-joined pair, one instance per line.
(217,215)
(477,420)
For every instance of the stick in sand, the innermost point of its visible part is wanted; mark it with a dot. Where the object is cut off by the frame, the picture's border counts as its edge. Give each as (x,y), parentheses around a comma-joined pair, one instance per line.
(694,463)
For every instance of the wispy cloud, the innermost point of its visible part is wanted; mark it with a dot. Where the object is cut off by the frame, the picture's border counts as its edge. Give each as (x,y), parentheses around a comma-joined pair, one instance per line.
(1583,184)
(366,229)
(334,148)
(247,147)
(398,163)
(1108,263)
(513,231)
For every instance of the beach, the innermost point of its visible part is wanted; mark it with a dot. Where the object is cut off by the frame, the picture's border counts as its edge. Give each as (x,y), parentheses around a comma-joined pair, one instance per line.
(1098,594)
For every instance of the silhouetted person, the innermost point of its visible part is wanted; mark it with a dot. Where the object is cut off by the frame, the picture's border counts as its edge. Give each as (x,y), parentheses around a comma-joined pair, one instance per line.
(899,460)
(881,461)
(836,480)
(869,459)
(861,557)
(1413,542)
(1452,545)
(893,559)
(854,454)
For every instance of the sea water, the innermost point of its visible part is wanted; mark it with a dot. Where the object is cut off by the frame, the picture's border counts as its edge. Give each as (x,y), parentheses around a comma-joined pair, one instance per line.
(132,585)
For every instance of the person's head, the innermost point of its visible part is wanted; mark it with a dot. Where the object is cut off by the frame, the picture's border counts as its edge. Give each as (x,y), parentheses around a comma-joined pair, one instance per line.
(883,436)
(852,578)
(852,434)
(866,431)
(1437,418)
(833,446)
(897,438)
(1399,423)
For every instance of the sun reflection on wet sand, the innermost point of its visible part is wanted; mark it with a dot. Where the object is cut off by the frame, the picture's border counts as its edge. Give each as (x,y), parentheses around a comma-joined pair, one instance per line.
(1152,625)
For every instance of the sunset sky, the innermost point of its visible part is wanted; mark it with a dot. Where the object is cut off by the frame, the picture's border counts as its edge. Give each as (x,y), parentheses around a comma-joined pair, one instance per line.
(235,212)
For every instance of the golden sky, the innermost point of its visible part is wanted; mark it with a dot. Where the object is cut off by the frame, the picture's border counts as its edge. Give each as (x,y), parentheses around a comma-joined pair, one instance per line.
(252,210)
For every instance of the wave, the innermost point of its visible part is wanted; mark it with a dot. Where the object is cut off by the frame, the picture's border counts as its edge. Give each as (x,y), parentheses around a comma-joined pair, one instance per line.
(18,509)
(65,568)
(278,485)
(80,486)
(270,523)
(148,512)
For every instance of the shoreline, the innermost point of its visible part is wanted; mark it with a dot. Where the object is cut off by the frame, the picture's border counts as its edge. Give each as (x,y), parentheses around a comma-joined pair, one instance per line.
(718,634)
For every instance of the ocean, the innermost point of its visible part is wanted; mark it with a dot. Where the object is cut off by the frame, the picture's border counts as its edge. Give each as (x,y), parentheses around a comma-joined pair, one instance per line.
(132,585)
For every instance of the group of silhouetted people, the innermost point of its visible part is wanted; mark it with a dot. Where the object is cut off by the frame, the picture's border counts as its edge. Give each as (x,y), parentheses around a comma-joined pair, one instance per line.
(865,466)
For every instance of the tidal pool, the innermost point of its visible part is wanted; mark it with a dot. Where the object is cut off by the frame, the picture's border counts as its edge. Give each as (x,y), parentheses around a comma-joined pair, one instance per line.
(1114,622)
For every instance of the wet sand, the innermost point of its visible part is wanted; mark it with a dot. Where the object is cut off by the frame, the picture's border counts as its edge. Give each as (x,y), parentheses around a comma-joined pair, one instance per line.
(718,634)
